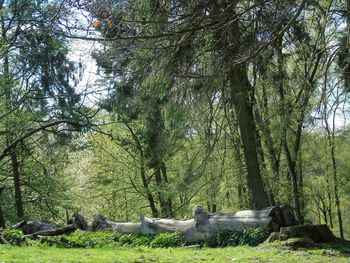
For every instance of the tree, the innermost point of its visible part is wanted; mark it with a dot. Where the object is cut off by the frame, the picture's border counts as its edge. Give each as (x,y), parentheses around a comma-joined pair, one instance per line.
(37,83)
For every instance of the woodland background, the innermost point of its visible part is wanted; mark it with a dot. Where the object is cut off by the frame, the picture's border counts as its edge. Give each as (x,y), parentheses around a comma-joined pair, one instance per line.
(227,104)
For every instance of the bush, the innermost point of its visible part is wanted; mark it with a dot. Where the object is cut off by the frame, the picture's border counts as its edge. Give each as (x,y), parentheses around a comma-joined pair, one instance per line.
(167,240)
(83,239)
(251,237)
(129,239)
(143,241)
(14,236)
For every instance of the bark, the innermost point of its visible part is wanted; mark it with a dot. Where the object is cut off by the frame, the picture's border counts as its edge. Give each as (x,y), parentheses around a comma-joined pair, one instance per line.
(2,218)
(226,44)
(265,125)
(17,184)
(317,233)
(336,193)
(145,185)
(240,89)
(244,200)
(160,195)
(169,205)
(200,227)
(329,199)
(204,225)
(156,154)
(331,142)
(19,225)
(149,194)
(36,226)
(261,159)
(3,240)
(53,232)
(101,223)
(80,222)
(294,181)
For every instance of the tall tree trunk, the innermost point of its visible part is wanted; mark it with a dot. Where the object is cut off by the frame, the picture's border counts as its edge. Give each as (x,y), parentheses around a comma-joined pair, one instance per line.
(260,151)
(244,197)
(145,184)
(2,219)
(227,42)
(160,194)
(150,197)
(240,91)
(169,205)
(301,182)
(329,199)
(335,182)
(294,181)
(17,184)
(331,142)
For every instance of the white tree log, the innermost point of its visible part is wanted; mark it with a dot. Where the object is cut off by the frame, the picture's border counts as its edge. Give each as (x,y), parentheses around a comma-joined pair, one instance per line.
(204,225)
(201,226)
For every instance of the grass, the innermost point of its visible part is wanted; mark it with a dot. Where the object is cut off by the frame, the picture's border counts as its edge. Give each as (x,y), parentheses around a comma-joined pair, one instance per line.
(43,254)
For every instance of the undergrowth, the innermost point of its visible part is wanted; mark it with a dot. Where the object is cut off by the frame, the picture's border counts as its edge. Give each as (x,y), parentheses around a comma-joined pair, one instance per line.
(107,239)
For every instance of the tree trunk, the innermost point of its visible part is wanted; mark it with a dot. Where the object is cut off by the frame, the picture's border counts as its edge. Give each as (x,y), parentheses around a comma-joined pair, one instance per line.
(145,185)
(294,181)
(17,184)
(317,233)
(150,197)
(169,209)
(2,219)
(244,198)
(336,192)
(261,159)
(227,42)
(331,142)
(204,225)
(329,199)
(165,203)
(240,89)
(53,232)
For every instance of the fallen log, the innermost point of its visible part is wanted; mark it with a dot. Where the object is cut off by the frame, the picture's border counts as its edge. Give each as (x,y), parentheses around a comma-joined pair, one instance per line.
(200,227)
(101,223)
(19,225)
(3,240)
(204,225)
(35,226)
(81,222)
(53,232)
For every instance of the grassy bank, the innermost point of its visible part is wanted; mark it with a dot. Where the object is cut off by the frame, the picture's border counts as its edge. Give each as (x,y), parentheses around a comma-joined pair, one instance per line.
(180,254)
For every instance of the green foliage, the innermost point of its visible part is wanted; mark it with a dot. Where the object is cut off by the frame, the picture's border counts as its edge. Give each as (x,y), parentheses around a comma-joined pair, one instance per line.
(129,239)
(141,240)
(102,239)
(251,237)
(83,239)
(13,236)
(167,240)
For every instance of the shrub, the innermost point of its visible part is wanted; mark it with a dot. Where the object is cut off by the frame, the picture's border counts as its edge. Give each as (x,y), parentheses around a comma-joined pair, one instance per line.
(167,240)
(14,236)
(251,237)
(128,239)
(142,241)
(256,236)
(83,239)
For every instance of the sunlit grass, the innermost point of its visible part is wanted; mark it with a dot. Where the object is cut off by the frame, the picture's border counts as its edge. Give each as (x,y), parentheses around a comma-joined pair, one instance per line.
(181,254)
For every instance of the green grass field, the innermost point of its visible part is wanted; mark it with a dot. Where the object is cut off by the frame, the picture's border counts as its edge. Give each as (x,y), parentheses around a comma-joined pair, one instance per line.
(190,254)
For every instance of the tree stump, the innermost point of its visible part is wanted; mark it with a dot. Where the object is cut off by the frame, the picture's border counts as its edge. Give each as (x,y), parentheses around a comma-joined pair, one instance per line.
(317,233)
